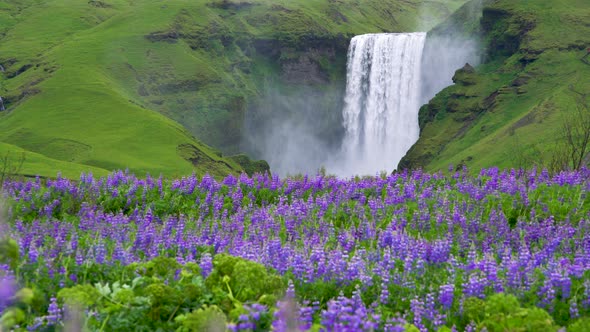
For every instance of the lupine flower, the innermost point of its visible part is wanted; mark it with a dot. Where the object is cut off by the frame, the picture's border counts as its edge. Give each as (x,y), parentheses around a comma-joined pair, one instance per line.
(206,264)
(54,312)
(7,291)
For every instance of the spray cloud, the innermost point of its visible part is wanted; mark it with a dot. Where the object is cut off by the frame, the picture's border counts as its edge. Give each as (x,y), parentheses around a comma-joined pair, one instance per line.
(303,130)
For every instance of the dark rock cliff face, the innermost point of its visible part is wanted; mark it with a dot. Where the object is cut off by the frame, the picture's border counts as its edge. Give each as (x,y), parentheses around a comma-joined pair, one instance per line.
(504,30)
(304,70)
(304,61)
(465,76)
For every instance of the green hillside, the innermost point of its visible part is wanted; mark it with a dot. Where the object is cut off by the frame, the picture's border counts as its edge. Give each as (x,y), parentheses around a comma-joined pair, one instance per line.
(65,102)
(14,158)
(103,85)
(510,110)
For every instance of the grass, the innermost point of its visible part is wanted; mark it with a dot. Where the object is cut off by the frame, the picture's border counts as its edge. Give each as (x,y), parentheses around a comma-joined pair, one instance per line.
(523,126)
(34,164)
(102,85)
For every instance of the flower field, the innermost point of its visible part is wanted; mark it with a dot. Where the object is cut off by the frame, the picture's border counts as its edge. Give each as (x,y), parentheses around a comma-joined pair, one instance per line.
(499,251)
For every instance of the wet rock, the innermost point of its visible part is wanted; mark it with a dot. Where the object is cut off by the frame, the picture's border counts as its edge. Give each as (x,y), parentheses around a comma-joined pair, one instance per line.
(529,56)
(520,81)
(228,4)
(304,71)
(465,75)
(19,71)
(99,4)
(490,101)
(163,36)
(250,166)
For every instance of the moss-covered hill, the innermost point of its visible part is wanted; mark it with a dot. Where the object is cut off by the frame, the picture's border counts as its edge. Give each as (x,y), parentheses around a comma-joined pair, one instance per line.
(510,110)
(109,84)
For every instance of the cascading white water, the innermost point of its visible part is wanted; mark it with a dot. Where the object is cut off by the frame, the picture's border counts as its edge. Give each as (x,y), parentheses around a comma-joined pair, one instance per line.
(382,101)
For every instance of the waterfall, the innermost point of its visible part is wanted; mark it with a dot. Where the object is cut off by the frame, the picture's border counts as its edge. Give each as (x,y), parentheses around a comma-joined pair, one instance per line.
(382,101)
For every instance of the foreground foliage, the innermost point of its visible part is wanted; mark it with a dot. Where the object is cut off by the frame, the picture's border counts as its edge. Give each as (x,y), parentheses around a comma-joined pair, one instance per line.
(411,251)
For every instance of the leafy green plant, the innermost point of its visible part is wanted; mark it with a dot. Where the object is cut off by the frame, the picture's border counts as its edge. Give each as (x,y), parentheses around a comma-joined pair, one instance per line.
(208,318)
(502,312)
(9,252)
(242,279)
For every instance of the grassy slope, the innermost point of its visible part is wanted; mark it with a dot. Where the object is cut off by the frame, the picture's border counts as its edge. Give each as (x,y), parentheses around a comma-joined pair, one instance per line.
(34,164)
(512,116)
(77,111)
(93,78)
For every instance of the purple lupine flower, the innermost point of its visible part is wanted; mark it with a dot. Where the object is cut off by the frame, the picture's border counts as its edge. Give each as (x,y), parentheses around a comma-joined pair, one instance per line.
(475,286)
(419,313)
(33,254)
(395,324)
(100,253)
(471,327)
(206,264)
(384,296)
(7,291)
(54,312)
(37,323)
(574,312)
(547,295)
(446,295)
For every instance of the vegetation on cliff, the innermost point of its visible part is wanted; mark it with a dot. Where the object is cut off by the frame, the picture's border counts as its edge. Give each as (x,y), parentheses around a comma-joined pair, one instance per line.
(513,109)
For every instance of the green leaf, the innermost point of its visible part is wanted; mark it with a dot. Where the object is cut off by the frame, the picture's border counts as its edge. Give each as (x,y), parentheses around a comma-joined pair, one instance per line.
(209,318)
(9,253)
(83,295)
(12,317)
(25,295)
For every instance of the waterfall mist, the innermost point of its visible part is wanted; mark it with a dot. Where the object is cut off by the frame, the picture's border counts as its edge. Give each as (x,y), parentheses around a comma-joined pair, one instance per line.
(442,56)
(449,47)
(296,132)
(367,124)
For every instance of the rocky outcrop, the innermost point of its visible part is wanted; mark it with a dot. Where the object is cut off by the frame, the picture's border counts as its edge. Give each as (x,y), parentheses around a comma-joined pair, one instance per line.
(506,31)
(229,4)
(198,158)
(465,76)
(304,70)
(19,71)
(250,166)
(99,4)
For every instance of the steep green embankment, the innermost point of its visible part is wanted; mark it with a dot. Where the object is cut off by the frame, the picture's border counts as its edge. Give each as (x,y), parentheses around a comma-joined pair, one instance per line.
(65,102)
(510,110)
(81,80)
